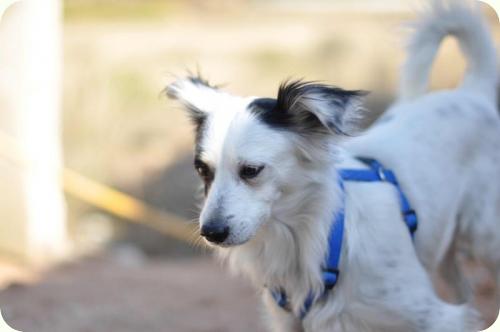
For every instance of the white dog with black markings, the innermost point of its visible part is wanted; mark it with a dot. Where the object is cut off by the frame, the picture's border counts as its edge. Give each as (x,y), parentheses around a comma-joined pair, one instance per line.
(270,168)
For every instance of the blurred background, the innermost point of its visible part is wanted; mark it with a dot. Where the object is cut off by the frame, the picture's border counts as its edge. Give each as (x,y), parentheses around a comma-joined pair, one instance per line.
(98,208)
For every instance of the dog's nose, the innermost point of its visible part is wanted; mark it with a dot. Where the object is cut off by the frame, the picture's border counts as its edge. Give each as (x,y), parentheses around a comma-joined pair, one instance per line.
(215,232)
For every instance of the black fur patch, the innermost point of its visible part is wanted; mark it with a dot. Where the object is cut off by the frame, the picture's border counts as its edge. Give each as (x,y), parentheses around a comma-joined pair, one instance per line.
(288,112)
(200,127)
(269,112)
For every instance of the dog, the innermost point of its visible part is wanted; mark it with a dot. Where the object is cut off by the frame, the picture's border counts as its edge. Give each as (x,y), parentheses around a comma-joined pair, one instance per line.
(270,168)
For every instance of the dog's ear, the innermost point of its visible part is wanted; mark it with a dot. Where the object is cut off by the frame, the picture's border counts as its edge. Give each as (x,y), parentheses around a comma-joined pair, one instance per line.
(320,108)
(195,94)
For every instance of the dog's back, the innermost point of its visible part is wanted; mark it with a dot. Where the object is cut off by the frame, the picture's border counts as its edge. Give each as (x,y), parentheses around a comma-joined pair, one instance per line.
(445,146)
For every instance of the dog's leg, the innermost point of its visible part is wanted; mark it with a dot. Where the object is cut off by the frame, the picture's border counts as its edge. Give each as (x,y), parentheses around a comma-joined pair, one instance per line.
(494,267)
(497,285)
(450,271)
(422,310)
(279,320)
(408,302)
(492,257)
(482,225)
(453,318)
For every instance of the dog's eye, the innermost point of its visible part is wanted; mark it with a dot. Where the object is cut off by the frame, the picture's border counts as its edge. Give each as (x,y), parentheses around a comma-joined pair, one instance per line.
(204,172)
(202,169)
(249,172)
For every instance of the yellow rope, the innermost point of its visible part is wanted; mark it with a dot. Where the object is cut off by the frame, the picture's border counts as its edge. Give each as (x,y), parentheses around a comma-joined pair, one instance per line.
(126,206)
(109,199)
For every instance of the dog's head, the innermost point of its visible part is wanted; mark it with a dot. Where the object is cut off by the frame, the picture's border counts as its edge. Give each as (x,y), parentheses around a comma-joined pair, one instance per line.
(252,153)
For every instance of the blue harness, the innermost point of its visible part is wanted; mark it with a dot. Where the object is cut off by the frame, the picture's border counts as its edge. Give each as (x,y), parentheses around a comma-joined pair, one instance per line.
(376,173)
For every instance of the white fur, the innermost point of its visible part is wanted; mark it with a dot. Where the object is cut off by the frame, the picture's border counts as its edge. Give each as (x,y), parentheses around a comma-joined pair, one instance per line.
(445,150)
(459,19)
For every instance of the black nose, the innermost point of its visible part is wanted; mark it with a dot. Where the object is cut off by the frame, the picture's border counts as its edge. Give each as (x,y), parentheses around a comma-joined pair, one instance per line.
(215,232)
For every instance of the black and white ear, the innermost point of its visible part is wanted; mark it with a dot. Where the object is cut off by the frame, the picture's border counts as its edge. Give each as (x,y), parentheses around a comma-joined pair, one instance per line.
(195,94)
(321,108)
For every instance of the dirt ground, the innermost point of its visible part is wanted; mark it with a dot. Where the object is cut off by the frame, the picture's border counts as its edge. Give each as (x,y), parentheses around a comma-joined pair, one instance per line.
(130,293)
(105,295)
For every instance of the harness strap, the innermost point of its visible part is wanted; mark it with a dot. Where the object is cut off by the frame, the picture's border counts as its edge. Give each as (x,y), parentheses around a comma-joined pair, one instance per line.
(330,271)
(378,173)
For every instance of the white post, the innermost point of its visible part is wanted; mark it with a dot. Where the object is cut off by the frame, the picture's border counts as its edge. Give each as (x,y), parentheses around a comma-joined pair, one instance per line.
(32,211)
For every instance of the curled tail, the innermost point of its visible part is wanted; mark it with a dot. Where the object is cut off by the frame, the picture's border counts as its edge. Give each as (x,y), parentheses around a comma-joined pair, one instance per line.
(464,21)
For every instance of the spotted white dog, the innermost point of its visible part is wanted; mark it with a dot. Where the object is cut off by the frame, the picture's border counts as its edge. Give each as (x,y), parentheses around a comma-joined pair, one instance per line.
(270,168)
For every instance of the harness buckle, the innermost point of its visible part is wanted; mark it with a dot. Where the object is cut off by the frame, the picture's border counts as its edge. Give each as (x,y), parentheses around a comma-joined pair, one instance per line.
(330,277)
(381,174)
(410,218)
